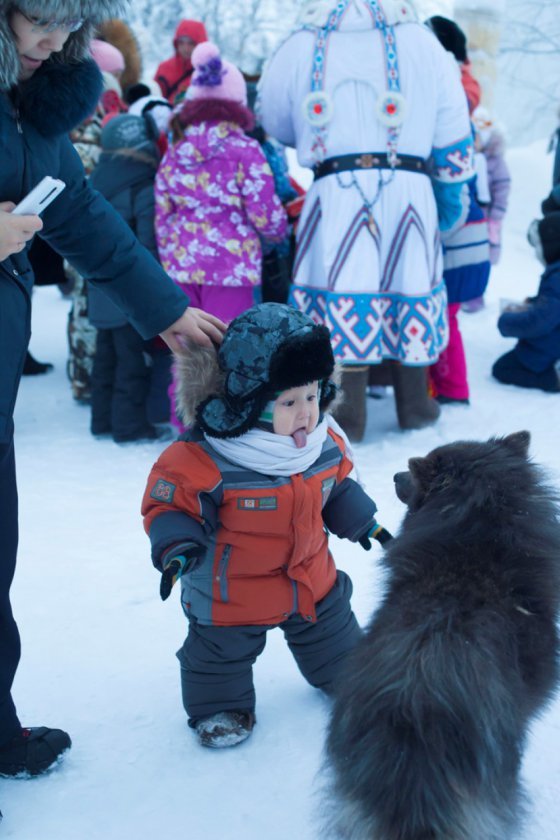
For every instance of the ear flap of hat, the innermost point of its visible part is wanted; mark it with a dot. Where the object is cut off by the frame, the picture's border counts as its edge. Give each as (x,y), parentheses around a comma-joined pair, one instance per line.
(219,419)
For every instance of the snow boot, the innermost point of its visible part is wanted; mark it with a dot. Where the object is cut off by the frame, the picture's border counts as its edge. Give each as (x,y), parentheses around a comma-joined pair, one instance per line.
(225,729)
(33,751)
(351,412)
(473,305)
(31,367)
(415,408)
(443,400)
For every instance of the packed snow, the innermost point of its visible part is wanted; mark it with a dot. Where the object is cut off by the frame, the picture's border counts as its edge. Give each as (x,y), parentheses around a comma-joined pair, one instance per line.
(98,644)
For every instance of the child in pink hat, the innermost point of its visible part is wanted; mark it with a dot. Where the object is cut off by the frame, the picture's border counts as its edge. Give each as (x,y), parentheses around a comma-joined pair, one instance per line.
(215,195)
(107,57)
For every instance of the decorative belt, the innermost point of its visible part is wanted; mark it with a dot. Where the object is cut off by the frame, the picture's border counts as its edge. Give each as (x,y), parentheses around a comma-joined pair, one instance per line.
(373,160)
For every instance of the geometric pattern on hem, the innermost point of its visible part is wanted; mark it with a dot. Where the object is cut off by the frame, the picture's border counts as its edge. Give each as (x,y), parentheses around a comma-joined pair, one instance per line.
(368,328)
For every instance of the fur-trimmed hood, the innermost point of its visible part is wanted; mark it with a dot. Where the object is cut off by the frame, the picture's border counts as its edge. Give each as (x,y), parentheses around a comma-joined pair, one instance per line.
(59,97)
(75,48)
(357,17)
(198,375)
(196,111)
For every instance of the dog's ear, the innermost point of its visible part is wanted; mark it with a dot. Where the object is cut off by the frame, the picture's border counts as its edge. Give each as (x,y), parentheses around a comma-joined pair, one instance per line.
(422,471)
(518,442)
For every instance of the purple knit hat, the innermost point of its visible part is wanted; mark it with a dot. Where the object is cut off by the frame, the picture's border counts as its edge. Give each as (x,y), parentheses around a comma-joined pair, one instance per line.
(214,78)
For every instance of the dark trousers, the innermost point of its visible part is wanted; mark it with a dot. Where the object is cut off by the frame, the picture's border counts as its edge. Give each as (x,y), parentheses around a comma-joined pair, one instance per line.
(157,403)
(9,636)
(217,662)
(120,383)
(509,370)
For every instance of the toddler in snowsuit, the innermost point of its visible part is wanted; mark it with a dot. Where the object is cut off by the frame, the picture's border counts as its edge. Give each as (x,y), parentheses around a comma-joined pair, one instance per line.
(240,507)
(534,362)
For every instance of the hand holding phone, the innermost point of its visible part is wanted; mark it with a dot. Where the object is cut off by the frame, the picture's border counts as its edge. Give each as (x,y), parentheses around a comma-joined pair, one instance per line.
(40,197)
(15,231)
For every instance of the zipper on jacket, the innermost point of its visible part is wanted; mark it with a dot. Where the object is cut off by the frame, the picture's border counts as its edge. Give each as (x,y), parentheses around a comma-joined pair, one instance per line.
(221,577)
(295,601)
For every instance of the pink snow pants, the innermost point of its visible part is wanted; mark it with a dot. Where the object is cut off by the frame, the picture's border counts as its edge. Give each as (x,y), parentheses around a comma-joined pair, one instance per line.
(449,374)
(226,303)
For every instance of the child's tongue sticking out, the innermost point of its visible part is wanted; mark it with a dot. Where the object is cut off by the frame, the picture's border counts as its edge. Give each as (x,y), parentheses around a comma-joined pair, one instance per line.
(300,438)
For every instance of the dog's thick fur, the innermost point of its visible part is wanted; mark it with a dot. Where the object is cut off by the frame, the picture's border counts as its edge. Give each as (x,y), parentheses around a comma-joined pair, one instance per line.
(428,728)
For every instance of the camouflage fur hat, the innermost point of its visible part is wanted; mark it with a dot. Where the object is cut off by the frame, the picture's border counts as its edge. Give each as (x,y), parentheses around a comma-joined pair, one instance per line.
(75,48)
(269,348)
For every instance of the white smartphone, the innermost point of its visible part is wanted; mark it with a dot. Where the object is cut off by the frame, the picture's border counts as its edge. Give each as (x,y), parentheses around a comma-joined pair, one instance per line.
(40,197)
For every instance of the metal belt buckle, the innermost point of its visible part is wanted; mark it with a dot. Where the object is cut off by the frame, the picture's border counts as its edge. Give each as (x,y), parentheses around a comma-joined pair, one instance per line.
(367,161)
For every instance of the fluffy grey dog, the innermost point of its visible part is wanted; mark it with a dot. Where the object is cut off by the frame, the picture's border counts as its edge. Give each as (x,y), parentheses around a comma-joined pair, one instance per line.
(428,728)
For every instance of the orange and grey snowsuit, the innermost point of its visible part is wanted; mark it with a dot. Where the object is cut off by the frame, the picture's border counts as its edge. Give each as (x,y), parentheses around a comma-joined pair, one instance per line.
(267,564)
(267,554)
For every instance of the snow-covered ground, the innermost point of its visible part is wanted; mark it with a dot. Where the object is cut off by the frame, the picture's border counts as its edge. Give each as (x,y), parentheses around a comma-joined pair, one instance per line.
(98,644)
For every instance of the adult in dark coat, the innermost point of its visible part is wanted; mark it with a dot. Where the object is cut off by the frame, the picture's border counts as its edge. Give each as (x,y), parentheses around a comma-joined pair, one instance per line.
(46,88)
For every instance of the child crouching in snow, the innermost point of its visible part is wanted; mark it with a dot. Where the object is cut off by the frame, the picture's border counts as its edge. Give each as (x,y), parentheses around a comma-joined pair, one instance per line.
(534,362)
(239,507)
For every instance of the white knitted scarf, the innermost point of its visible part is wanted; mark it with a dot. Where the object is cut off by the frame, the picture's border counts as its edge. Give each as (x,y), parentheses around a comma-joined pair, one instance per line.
(272,454)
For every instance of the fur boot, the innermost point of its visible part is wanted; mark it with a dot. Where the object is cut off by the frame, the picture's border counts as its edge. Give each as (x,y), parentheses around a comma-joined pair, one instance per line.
(415,408)
(351,412)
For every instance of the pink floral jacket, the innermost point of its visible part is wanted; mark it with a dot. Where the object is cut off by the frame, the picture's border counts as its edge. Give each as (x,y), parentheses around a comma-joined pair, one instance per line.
(214,199)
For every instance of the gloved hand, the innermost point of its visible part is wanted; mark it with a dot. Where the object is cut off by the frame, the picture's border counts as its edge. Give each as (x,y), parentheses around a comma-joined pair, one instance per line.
(176,562)
(375,532)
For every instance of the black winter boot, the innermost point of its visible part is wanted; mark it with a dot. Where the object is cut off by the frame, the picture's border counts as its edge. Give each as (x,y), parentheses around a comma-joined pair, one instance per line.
(33,751)
(351,412)
(415,408)
(31,367)
(225,729)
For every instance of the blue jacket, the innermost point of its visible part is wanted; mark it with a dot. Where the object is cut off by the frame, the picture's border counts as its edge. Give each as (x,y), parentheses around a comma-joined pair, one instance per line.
(538,325)
(80,224)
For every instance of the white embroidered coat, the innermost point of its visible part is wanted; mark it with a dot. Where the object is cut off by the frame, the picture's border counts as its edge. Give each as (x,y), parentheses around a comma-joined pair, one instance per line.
(378,287)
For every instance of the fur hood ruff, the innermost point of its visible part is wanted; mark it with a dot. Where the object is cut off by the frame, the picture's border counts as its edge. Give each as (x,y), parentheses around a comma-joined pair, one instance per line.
(75,48)
(198,375)
(196,111)
(58,97)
